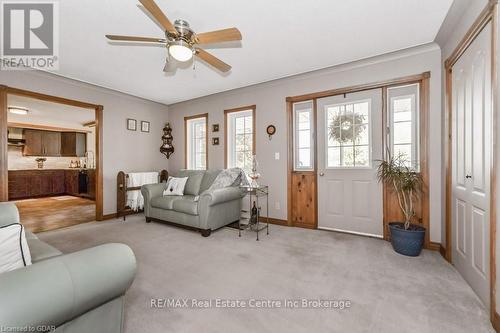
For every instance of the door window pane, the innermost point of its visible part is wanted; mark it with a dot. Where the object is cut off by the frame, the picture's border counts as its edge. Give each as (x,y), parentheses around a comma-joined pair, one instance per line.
(302,139)
(348,135)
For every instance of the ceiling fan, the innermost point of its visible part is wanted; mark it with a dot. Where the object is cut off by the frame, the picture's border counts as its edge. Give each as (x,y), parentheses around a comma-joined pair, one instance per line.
(182,42)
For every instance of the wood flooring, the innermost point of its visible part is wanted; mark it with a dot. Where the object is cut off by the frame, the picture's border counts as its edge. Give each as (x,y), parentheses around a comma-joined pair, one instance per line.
(43,214)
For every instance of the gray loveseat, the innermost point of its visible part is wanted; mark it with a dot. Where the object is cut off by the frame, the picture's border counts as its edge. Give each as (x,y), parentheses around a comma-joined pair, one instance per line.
(75,293)
(199,208)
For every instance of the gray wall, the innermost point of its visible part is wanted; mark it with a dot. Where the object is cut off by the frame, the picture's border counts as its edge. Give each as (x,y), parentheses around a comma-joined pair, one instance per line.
(271,109)
(122,149)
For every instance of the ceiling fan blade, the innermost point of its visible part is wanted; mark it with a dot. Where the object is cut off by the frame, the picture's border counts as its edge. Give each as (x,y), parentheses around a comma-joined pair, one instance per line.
(135,39)
(153,8)
(224,35)
(212,60)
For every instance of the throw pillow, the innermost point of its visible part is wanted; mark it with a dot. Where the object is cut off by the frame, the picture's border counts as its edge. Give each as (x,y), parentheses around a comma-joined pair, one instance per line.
(227,177)
(14,251)
(175,186)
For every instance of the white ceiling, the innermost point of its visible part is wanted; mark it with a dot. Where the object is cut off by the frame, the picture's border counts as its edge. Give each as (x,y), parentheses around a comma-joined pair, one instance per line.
(49,113)
(280,38)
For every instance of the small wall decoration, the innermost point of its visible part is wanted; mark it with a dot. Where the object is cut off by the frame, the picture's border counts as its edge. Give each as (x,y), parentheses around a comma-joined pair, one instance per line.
(131,124)
(215,141)
(215,127)
(145,126)
(271,130)
(167,148)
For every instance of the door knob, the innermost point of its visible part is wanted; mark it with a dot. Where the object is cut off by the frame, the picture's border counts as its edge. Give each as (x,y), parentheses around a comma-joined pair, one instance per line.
(468,176)
(321,174)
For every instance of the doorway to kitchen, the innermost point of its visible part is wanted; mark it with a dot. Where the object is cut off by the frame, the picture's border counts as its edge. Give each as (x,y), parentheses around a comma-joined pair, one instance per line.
(51,159)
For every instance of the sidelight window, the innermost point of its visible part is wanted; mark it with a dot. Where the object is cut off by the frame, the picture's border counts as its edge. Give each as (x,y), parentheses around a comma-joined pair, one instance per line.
(403,131)
(303,127)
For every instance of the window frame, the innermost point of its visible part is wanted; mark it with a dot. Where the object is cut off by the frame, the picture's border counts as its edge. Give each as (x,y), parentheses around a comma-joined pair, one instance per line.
(188,141)
(415,122)
(370,143)
(227,113)
(312,130)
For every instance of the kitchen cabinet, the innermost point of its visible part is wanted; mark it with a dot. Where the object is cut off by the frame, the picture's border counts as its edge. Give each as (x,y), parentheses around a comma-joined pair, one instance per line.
(73,144)
(71,181)
(42,143)
(36,183)
(33,143)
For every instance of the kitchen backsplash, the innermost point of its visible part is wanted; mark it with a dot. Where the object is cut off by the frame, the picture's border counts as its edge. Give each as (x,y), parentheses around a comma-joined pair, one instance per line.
(17,161)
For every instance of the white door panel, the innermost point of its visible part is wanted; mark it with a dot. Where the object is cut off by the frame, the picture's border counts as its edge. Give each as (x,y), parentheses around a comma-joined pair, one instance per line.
(471,158)
(349,196)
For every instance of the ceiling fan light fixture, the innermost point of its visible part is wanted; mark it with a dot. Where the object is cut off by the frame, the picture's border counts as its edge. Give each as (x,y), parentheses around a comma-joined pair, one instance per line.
(180,51)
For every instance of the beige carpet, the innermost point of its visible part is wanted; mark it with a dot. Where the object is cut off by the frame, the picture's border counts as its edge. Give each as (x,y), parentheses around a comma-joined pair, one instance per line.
(388,292)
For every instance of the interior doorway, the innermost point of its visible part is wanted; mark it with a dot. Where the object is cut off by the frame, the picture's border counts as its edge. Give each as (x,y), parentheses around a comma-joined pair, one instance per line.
(51,158)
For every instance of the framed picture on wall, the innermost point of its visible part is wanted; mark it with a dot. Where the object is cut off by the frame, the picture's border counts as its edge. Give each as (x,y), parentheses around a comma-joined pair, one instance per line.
(215,127)
(215,141)
(131,124)
(145,126)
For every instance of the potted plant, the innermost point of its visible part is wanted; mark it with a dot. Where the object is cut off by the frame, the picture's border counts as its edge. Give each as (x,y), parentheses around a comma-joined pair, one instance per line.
(406,238)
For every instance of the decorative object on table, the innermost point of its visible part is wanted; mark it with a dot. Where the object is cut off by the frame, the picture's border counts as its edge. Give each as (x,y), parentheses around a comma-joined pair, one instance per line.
(342,128)
(131,124)
(215,141)
(254,175)
(271,130)
(167,148)
(254,219)
(145,126)
(39,162)
(406,238)
(255,214)
(215,127)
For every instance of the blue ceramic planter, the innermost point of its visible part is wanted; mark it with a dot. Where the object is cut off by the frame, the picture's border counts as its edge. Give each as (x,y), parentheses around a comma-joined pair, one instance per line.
(407,242)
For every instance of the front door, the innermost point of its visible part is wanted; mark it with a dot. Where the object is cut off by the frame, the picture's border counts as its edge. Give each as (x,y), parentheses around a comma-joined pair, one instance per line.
(471,158)
(349,130)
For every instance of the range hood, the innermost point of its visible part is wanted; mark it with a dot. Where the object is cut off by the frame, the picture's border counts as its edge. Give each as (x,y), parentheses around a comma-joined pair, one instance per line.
(15,136)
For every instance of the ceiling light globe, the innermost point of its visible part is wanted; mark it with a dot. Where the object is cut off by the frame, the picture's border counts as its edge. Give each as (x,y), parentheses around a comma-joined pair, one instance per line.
(180,52)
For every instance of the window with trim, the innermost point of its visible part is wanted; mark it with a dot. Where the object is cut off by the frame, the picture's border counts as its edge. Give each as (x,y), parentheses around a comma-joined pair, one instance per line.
(196,143)
(403,120)
(303,127)
(240,138)
(348,135)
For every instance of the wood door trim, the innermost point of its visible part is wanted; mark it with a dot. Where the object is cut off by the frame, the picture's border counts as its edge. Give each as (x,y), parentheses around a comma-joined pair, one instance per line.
(4,92)
(423,80)
(46,127)
(254,121)
(362,87)
(489,14)
(196,116)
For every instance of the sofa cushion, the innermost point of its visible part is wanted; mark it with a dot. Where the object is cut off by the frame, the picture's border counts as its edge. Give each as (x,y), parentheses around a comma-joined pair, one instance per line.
(194,180)
(41,250)
(208,179)
(165,202)
(186,205)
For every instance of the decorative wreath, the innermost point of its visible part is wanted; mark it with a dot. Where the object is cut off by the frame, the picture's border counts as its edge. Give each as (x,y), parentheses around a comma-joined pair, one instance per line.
(342,128)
